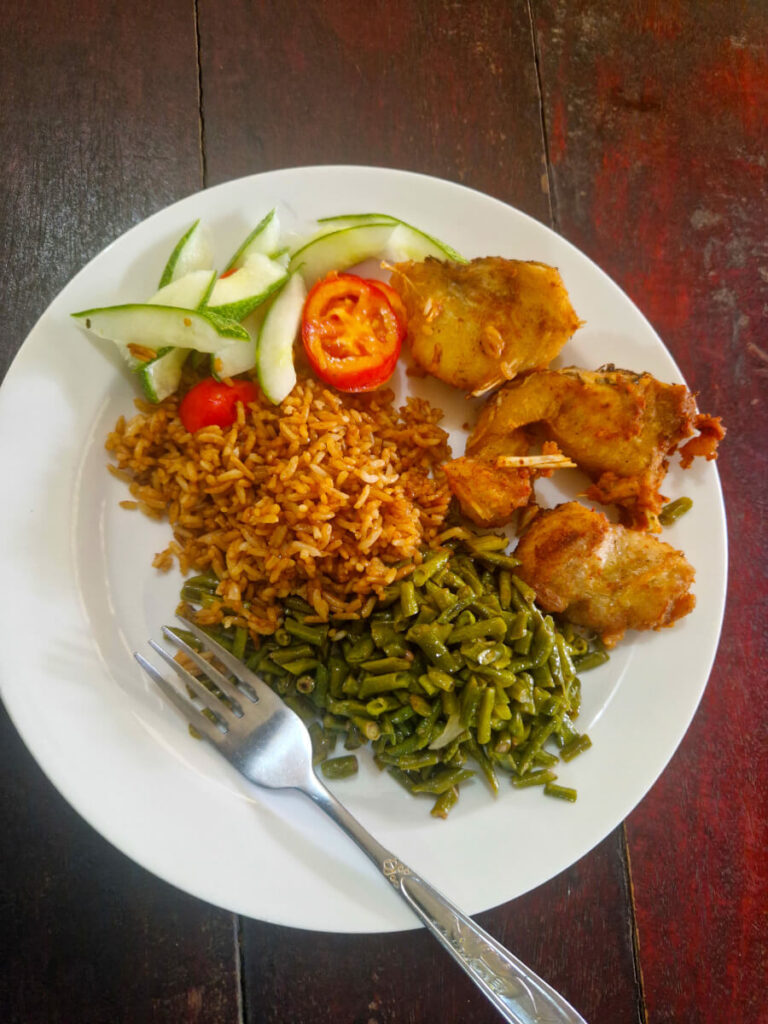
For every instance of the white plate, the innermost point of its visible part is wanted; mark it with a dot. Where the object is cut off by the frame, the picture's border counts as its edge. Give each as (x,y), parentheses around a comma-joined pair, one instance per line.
(79,595)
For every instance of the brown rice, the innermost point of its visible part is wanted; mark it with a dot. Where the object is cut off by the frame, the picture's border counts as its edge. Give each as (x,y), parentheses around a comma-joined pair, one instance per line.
(327,496)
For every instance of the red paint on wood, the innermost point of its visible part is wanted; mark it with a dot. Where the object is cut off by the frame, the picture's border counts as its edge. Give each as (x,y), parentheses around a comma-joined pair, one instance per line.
(667,189)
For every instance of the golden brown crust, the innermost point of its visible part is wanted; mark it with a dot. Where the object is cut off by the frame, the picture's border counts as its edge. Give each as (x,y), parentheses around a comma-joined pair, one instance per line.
(602,575)
(618,426)
(477,324)
(488,495)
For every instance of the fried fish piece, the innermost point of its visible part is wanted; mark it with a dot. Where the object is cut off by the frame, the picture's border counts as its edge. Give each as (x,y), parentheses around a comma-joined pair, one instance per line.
(475,325)
(602,575)
(487,495)
(619,427)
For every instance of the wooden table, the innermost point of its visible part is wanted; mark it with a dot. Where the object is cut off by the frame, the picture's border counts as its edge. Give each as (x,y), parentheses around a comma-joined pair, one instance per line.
(638,131)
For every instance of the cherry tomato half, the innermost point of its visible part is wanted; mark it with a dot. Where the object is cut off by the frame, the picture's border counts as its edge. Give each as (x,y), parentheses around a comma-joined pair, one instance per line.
(351,332)
(214,403)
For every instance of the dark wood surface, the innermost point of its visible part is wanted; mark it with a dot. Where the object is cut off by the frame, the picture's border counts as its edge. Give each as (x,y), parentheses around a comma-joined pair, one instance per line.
(639,132)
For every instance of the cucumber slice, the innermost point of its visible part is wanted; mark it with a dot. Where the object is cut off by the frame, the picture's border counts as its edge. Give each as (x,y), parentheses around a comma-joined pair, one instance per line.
(340,249)
(274,351)
(162,326)
(408,243)
(160,377)
(264,240)
(241,292)
(192,252)
(402,244)
(235,358)
(188,292)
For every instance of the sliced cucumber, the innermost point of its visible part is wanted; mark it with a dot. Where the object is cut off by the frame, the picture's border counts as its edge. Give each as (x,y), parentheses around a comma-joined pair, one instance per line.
(188,292)
(235,357)
(161,376)
(264,239)
(274,351)
(192,252)
(162,326)
(410,244)
(340,249)
(243,290)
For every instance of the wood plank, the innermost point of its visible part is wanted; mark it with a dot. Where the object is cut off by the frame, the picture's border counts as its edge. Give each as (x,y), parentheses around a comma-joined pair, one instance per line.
(100,128)
(657,140)
(390,83)
(449,90)
(568,930)
(88,935)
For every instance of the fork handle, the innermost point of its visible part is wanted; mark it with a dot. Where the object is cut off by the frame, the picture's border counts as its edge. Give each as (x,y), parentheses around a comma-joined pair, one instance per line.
(520,996)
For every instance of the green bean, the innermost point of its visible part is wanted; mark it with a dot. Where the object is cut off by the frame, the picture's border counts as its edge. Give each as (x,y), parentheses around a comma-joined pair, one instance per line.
(485,765)
(316,635)
(384,665)
(470,699)
(420,706)
(443,781)
(370,729)
(485,629)
(575,747)
(300,666)
(428,639)
(298,604)
(372,684)
(505,589)
(591,660)
(543,757)
(484,710)
(401,716)
(543,643)
(674,509)
(464,597)
(541,778)
(340,767)
(408,602)
(440,679)
(445,802)
(442,598)
(411,762)
(283,654)
(561,792)
(301,706)
(388,639)
(427,569)
(319,742)
(305,684)
(359,651)
(379,705)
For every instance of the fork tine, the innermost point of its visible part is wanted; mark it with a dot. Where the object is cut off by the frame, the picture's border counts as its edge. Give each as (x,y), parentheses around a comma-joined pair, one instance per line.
(188,710)
(237,668)
(224,684)
(201,692)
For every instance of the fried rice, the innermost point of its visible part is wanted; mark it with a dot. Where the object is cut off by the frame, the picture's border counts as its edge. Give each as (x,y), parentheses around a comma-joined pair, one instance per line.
(329,497)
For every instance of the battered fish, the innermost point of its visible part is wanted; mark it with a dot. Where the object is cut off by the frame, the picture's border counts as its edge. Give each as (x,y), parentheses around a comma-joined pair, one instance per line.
(618,427)
(603,576)
(475,325)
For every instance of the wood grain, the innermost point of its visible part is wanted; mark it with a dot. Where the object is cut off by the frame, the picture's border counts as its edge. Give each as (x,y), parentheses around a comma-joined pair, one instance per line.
(657,137)
(442,88)
(100,128)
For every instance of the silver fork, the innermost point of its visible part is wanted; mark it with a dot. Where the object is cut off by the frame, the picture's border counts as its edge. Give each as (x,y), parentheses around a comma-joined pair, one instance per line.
(269,745)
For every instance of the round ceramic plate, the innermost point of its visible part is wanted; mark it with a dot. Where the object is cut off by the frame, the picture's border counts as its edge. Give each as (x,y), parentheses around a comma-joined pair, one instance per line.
(80,596)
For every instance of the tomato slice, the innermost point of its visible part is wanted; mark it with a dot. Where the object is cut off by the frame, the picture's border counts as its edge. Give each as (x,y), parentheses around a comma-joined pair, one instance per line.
(214,403)
(352,334)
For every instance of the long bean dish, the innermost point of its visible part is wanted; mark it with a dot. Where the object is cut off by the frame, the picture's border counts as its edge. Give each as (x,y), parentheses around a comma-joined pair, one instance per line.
(334,541)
